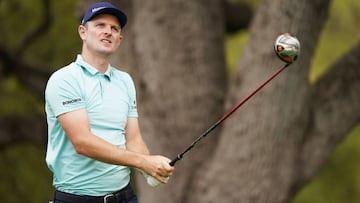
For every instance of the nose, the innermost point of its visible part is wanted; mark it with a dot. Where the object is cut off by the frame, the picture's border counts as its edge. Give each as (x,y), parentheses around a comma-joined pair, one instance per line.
(107,30)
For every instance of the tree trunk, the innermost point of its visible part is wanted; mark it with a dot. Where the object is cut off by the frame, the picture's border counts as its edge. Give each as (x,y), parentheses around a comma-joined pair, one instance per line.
(336,110)
(260,150)
(182,84)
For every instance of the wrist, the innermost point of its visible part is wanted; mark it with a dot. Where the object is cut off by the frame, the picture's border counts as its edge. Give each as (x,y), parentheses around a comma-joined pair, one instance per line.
(139,161)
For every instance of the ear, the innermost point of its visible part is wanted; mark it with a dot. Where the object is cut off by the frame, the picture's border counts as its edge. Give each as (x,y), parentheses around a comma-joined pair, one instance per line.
(82,32)
(118,42)
(120,38)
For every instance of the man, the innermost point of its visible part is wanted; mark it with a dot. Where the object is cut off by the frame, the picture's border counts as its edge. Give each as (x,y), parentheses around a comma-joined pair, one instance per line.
(93,131)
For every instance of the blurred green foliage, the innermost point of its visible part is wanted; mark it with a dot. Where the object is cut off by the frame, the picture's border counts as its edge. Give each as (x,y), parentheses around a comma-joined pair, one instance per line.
(11,91)
(15,27)
(57,47)
(24,172)
(340,34)
(339,179)
(25,176)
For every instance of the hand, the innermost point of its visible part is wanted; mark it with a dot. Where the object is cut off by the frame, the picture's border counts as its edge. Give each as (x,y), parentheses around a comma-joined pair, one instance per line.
(156,170)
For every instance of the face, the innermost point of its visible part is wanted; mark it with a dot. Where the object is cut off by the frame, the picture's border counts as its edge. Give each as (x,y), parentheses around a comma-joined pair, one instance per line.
(101,35)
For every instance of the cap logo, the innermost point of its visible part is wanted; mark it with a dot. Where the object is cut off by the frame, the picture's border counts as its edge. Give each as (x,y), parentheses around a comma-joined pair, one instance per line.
(96,9)
(105,8)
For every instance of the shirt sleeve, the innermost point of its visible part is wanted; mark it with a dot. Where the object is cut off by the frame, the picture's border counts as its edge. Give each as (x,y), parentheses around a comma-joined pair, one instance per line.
(63,94)
(132,97)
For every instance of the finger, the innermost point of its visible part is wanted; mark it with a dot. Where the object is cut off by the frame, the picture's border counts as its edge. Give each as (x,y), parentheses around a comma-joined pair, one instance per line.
(165,173)
(166,179)
(163,179)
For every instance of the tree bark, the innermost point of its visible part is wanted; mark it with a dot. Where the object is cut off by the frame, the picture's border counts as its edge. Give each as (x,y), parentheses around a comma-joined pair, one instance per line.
(182,84)
(258,156)
(335,111)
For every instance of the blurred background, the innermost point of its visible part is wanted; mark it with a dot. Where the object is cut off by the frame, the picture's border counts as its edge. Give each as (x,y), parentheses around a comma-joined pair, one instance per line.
(22,161)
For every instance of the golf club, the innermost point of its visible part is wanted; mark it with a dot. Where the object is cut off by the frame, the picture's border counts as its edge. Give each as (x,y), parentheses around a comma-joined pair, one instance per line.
(287,48)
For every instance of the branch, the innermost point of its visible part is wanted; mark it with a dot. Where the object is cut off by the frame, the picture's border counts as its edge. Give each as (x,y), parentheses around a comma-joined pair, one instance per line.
(31,77)
(7,59)
(31,37)
(336,110)
(238,16)
(22,128)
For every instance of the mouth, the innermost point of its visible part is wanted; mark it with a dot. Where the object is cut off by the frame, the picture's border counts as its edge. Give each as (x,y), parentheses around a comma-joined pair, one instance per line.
(106,41)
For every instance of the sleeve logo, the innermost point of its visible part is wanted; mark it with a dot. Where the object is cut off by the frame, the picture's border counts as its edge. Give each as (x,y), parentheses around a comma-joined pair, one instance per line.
(71,101)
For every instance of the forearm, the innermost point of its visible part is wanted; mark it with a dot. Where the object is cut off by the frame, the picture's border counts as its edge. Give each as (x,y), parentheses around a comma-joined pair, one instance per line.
(96,148)
(134,140)
(137,145)
(135,157)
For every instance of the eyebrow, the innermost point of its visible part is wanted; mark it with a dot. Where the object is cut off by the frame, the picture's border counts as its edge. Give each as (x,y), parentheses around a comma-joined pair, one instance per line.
(103,22)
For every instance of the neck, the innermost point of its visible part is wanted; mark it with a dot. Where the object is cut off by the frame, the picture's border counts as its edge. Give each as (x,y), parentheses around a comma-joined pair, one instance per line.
(100,62)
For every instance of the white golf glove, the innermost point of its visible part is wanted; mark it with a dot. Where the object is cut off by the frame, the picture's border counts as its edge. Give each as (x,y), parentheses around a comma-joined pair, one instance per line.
(153,182)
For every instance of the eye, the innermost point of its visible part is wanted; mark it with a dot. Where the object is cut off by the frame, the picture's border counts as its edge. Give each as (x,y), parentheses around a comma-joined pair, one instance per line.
(100,25)
(115,28)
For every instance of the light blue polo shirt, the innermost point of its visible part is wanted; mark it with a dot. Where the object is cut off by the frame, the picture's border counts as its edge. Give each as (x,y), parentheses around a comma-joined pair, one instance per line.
(109,99)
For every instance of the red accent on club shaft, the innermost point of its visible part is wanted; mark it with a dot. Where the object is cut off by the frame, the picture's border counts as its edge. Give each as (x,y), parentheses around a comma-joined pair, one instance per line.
(250,95)
(180,156)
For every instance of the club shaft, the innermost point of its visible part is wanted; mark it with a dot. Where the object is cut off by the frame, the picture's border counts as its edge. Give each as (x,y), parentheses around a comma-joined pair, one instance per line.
(180,155)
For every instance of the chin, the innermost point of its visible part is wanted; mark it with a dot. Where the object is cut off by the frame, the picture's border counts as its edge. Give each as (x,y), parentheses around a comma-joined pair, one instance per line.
(106,53)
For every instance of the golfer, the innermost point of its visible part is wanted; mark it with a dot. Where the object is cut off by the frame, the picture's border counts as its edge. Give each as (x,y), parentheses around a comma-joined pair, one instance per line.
(93,131)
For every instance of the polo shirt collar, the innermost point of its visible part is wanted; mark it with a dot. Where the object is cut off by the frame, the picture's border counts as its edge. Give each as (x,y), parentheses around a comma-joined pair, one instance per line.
(93,71)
